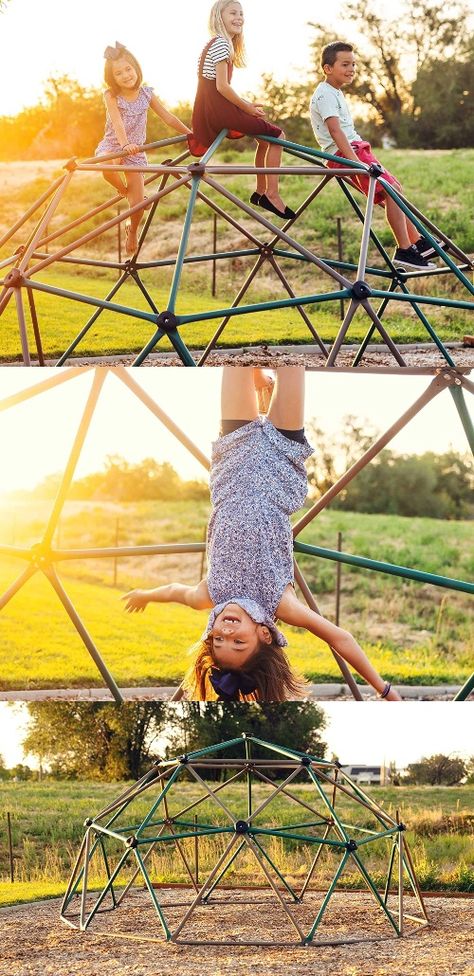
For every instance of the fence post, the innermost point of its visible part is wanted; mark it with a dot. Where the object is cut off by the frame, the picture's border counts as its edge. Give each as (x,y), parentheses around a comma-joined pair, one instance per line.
(214,250)
(117,524)
(338,579)
(10,848)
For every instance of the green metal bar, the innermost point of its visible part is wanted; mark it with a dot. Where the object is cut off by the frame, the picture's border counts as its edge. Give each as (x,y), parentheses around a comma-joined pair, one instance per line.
(223,872)
(264,306)
(290,753)
(184,834)
(248,755)
(374,891)
(330,807)
(384,833)
(173,777)
(325,903)
(389,568)
(423,299)
(107,868)
(389,872)
(183,245)
(103,893)
(152,894)
(426,233)
(276,870)
(466,689)
(215,748)
(457,394)
(155,339)
(181,348)
(319,154)
(308,839)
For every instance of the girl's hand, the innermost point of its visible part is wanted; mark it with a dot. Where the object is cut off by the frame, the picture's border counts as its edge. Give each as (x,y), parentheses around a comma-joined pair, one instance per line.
(256,109)
(131,148)
(136,601)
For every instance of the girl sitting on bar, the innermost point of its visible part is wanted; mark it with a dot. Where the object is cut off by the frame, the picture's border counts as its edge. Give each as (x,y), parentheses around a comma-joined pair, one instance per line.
(217,106)
(127,102)
(258,480)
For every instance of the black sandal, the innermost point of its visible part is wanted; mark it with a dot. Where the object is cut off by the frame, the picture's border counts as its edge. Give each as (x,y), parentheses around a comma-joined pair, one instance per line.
(288,213)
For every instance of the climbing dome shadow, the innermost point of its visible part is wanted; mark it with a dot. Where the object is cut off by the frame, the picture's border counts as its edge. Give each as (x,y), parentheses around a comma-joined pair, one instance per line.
(45,557)
(262,811)
(370,286)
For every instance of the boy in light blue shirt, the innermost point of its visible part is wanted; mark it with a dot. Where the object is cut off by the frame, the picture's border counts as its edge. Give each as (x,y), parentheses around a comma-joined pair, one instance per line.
(334,130)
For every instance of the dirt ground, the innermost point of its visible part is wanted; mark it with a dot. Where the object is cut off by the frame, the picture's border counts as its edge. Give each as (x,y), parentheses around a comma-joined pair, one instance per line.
(272,357)
(34,941)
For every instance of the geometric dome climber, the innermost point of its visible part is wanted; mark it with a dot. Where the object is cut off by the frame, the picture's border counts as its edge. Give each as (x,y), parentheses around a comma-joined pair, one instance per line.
(321,822)
(45,557)
(370,286)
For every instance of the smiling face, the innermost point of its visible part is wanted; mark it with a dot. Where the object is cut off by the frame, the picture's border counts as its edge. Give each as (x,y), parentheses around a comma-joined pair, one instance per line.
(342,72)
(125,75)
(233,18)
(236,637)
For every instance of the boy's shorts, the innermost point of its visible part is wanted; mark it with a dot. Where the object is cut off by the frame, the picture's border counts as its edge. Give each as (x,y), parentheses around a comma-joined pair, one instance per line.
(363,151)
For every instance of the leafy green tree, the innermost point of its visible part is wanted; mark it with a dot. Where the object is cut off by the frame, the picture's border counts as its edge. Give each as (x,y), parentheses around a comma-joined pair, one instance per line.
(4,772)
(436,770)
(297,725)
(443,102)
(94,740)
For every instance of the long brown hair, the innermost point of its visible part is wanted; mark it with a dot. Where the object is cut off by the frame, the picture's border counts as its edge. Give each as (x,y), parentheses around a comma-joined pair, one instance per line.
(274,677)
(216,26)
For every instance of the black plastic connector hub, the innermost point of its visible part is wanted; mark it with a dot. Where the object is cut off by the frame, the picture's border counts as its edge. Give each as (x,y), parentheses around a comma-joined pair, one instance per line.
(360,290)
(241,827)
(132,842)
(71,164)
(167,321)
(401,827)
(88,822)
(197,169)
(306,760)
(375,169)
(351,845)
(183,760)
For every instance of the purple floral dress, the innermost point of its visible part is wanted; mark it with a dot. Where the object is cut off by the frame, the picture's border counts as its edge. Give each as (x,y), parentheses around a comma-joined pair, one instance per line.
(134,117)
(258,479)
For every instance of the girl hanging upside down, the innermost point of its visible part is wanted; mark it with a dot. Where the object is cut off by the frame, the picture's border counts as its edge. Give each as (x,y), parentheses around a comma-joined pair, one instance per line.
(258,480)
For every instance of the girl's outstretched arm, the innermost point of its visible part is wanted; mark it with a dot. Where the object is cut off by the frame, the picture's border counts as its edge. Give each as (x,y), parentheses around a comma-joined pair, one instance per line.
(196,597)
(293,612)
(167,117)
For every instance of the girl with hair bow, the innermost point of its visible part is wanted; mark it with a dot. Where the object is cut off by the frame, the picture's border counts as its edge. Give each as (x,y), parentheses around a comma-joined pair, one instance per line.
(127,102)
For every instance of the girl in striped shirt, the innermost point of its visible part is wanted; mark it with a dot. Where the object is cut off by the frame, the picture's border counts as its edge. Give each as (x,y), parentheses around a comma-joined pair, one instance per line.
(217,105)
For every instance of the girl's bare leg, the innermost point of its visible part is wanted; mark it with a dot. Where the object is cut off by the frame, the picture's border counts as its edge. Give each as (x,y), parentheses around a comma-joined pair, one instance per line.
(287,405)
(273,158)
(260,157)
(238,394)
(117,182)
(135,194)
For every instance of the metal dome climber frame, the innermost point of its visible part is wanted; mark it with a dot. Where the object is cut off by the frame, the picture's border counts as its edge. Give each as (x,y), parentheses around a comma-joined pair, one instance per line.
(130,845)
(44,557)
(21,268)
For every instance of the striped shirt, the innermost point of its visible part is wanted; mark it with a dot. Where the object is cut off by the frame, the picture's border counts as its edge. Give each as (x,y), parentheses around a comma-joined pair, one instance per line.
(220,50)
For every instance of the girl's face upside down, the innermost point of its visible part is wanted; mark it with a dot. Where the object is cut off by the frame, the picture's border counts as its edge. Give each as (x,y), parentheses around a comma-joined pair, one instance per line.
(236,637)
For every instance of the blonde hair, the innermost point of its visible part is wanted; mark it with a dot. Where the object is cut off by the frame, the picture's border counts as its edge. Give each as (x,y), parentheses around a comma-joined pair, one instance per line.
(270,668)
(216,26)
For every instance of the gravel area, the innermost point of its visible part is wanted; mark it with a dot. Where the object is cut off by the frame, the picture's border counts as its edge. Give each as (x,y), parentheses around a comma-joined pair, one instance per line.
(36,942)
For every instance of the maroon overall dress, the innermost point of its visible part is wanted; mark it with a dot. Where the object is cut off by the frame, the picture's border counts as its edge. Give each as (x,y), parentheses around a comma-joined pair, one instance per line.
(212,113)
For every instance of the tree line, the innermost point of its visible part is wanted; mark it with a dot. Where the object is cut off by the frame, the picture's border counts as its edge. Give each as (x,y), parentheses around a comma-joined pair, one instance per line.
(428,485)
(414,85)
(104,742)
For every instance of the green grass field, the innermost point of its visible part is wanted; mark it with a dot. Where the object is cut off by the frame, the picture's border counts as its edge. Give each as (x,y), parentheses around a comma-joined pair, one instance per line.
(414,634)
(439,182)
(47,823)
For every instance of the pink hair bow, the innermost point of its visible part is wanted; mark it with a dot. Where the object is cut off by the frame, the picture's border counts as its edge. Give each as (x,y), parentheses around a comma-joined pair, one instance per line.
(114,53)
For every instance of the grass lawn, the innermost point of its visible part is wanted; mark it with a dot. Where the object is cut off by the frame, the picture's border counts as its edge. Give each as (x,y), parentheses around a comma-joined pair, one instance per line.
(48,820)
(414,634)
(438,181)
